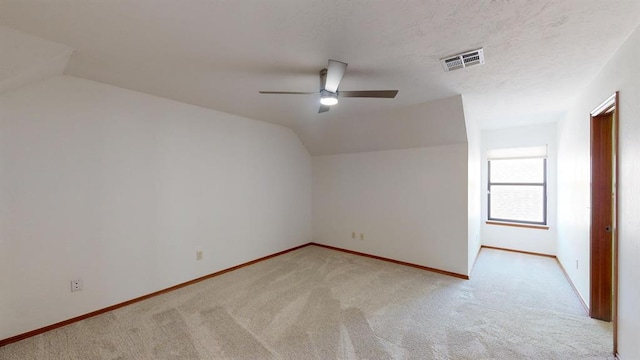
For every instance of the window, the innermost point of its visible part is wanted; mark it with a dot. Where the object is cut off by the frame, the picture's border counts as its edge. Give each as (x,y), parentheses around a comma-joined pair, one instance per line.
(518,185)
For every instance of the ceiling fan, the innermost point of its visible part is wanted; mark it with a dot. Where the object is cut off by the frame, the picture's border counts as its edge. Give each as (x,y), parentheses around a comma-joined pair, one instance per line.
(330,81)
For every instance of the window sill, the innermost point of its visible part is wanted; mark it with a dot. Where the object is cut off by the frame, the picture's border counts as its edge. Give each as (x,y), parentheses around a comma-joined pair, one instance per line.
(527,226)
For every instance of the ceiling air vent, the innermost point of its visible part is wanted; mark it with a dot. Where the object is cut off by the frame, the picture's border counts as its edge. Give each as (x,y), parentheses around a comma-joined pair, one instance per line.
(461,61)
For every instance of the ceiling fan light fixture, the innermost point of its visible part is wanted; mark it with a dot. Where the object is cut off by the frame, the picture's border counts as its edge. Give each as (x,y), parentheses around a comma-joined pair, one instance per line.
(330,79)
(328,98)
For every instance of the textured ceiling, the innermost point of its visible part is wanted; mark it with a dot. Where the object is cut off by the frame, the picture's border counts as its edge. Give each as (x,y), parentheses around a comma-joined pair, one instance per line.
(218,54)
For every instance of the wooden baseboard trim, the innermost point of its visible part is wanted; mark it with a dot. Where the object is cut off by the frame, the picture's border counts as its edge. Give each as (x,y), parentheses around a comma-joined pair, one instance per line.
(518,251)
(443,272)
(39,331)
(575,289)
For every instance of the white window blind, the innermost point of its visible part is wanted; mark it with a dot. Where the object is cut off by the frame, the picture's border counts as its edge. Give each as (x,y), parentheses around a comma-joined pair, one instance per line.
(533,152)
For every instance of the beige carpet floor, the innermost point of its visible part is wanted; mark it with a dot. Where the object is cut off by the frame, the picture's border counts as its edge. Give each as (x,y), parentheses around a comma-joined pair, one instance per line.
(316,303)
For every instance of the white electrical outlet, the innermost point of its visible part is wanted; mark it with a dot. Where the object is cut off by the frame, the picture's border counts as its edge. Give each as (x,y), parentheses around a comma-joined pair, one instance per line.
(361,236)
(76,285)
(353,235)
(199,255)
(576,264)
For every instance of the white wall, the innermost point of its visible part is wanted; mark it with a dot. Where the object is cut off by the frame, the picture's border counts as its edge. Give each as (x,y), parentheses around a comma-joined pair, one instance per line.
(121,189)
(622,73)
(523,239)
(410,204)
(474,141)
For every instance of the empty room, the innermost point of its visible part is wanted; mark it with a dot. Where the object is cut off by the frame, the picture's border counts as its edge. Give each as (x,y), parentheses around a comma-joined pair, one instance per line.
(297,179)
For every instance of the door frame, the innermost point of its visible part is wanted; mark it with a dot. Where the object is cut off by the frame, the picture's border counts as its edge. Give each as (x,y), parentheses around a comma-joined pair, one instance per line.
(610,105)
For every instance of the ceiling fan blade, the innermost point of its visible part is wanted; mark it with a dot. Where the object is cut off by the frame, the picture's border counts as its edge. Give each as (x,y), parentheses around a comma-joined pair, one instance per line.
(323,108)
(389,94)
(288,92)
(335,72)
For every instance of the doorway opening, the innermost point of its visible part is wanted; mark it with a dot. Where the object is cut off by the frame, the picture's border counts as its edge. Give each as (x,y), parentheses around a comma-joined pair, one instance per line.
(603,234)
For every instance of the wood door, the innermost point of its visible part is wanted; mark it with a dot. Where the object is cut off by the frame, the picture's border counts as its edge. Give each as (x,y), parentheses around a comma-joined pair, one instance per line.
(602,220)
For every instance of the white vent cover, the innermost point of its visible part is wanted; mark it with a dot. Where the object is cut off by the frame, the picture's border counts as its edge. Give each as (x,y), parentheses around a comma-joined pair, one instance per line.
(461,61)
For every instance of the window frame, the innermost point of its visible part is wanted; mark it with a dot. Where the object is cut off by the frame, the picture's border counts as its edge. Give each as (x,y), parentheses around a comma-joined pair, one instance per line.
(544,193)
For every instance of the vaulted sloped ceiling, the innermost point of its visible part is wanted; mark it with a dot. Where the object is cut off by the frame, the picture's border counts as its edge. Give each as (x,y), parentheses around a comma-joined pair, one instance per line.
(27,59)
(219,54)
(437,122)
